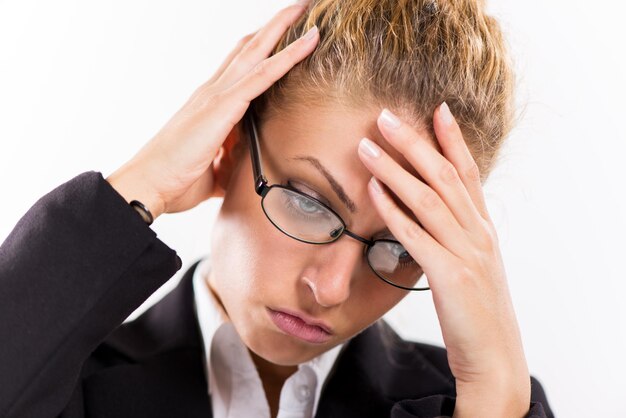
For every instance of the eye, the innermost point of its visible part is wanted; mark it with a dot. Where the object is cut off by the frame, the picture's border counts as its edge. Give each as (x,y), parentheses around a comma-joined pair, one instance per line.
(307,205)
(400,253)
(306,190)
(303,207)
(404,258)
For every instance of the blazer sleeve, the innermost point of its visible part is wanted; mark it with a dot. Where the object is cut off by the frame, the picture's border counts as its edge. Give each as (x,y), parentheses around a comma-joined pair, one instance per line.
(442,406)
(74,267)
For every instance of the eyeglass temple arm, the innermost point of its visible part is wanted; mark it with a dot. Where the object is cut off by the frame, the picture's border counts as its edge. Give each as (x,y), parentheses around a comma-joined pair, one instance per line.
(260,182)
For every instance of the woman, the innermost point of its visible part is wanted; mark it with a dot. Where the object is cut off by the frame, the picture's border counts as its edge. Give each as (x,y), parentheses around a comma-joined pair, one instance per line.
(283,318)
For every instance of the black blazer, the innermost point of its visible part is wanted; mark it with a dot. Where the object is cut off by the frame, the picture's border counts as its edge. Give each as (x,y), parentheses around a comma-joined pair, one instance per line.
(81,260)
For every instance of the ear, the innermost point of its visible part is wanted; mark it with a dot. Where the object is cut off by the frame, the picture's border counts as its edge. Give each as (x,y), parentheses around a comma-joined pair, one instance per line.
(226,159)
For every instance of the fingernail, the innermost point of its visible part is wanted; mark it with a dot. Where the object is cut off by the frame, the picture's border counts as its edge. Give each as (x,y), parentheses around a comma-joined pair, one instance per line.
(446,116)
(376,185)
(303,2)
(369,148)
(310,33)
(389,119)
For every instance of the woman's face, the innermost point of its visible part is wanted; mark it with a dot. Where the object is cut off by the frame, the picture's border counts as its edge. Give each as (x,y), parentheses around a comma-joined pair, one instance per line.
(254,266)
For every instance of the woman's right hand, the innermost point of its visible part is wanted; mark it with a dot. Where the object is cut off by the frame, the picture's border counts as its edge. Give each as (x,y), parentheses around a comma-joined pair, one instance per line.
(174,171)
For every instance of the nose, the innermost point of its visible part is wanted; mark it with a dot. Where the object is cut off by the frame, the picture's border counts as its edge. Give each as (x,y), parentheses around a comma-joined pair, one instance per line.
(338,264)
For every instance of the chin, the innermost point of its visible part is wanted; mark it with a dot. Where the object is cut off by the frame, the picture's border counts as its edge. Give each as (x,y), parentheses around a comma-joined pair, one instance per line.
(281,349)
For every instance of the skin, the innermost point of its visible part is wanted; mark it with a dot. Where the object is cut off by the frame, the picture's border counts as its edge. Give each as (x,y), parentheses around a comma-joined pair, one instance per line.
(433,180)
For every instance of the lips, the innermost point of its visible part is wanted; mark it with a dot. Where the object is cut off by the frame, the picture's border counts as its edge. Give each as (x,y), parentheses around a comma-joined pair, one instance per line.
(299,326)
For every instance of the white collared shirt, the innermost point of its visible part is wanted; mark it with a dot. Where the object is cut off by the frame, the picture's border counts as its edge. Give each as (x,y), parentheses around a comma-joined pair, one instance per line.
(234,384)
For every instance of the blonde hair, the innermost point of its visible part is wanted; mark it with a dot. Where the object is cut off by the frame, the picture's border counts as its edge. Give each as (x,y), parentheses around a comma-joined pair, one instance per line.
(409,56)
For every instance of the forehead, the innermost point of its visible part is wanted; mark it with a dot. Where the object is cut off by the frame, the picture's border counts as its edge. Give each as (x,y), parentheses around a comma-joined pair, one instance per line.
(331,134)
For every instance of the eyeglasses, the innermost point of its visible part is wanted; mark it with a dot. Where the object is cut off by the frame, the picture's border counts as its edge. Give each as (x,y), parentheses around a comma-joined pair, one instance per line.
(306,219)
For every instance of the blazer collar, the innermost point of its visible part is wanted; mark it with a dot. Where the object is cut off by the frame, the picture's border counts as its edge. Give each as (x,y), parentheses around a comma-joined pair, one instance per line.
(161,369)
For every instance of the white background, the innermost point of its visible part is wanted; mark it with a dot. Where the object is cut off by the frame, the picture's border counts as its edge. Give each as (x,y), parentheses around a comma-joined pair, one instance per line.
(83,85)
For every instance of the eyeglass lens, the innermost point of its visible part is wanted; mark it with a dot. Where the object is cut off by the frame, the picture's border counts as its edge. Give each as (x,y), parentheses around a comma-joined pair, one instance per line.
(303,218)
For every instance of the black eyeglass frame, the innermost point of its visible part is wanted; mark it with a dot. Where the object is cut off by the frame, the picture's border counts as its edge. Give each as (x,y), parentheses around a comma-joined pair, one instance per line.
(261,188)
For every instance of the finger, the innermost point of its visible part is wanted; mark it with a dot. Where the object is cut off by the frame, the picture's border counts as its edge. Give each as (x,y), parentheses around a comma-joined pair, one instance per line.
(261,44)
(437,171)
(455,149)
(204,88)
(423,201)
(268,71)
(424,249)
(228,60)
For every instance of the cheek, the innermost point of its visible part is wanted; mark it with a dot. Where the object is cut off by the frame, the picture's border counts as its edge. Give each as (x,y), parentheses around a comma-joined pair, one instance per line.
(253,264)
(251,253)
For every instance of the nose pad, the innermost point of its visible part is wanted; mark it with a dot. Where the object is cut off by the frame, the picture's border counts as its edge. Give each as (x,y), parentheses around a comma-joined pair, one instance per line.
(338,265)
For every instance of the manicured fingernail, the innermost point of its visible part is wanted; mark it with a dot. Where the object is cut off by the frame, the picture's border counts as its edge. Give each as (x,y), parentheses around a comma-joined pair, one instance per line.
(369,148)
(446,116)
(376,185)
(389,119)
(310,33)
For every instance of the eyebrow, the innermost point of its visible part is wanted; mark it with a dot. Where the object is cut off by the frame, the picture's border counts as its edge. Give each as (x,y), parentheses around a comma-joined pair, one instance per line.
(341,194)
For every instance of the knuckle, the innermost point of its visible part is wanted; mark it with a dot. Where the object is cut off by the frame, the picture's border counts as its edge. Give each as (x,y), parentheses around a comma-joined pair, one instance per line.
(253,43)
(244,41)
(261,69)
(414,231)
(472,172)
(202,89)
(490,239)
(290,52)
(487,238)
(448,174)
(247,38)
(428,200)
(194,96)
(494,235)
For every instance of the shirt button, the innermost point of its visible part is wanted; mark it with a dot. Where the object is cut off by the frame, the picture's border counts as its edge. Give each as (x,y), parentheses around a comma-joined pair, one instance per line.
(303,393)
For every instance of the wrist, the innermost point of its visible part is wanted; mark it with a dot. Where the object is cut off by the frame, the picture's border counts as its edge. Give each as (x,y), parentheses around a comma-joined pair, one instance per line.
(131,187)
(496,400)
(490,408)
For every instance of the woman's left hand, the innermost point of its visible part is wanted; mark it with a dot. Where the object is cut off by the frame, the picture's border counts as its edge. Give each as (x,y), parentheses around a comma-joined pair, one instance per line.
(457,247)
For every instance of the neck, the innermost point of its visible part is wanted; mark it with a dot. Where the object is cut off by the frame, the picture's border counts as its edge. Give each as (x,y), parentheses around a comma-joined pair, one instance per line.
(273,377)
(270,371)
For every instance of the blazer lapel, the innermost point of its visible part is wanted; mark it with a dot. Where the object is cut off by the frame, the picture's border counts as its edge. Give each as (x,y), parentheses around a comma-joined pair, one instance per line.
(154,365)
(377,369)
